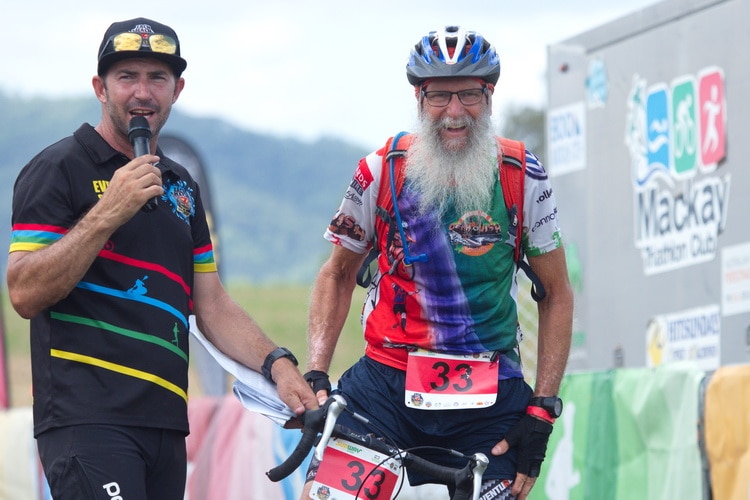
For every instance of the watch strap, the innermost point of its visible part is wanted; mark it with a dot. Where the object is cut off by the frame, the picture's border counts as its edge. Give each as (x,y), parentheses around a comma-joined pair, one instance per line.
(275,355)
(551,404)
(538,411)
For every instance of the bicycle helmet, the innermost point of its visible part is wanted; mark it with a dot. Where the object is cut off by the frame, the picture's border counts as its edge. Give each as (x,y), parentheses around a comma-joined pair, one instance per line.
(453,52)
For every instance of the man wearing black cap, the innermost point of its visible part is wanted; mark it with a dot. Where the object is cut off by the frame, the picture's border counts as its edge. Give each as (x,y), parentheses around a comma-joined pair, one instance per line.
(110,359)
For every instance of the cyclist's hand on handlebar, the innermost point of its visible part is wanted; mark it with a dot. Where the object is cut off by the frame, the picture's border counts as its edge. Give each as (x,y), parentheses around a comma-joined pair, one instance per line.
(530,435)
(320,384)
(292,387)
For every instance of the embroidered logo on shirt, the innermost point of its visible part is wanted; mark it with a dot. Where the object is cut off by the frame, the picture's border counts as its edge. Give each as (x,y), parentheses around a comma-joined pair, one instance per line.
(181,198)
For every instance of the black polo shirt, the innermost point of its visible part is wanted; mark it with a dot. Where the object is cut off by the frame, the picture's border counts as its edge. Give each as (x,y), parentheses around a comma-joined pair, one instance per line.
(115,350)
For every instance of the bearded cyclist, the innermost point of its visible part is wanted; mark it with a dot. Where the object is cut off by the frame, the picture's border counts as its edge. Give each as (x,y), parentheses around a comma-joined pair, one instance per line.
(452,375)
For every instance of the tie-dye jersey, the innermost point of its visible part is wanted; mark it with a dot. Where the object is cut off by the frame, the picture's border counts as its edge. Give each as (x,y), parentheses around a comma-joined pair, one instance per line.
(115,350)
(463,299)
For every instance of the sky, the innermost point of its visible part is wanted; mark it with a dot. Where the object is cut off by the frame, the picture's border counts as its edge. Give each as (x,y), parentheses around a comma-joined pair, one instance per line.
(301,69)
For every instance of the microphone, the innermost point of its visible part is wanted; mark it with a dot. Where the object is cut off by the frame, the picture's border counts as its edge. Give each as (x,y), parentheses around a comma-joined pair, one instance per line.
(139,134)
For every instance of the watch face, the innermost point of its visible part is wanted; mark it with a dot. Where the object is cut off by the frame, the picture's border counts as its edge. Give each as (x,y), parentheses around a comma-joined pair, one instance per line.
(552,404)
(279,352)
(557,407)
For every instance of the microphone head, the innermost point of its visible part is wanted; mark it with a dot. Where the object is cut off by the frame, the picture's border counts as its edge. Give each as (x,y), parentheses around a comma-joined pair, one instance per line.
(139,128)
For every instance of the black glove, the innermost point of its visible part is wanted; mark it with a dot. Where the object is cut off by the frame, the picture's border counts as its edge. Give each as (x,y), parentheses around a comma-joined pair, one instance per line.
(319,381)
(531,435)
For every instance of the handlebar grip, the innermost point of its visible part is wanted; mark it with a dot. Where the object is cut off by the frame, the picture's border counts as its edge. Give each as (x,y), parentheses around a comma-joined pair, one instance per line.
(296,458)
(440,473)
(315,421)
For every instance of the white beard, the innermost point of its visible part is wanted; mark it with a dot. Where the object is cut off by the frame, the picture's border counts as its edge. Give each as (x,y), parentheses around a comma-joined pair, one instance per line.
(449,174)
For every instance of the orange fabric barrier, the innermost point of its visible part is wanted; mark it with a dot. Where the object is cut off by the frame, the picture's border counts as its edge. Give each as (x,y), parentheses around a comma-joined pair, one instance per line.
(727,430)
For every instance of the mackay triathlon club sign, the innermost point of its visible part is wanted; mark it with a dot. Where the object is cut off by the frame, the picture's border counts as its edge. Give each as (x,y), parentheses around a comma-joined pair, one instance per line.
(676,136)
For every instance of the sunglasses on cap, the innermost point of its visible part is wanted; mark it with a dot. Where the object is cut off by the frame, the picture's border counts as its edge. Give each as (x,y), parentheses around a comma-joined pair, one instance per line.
(129,41)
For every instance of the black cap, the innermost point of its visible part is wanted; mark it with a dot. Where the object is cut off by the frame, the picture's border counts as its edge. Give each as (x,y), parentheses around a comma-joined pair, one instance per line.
(108,53)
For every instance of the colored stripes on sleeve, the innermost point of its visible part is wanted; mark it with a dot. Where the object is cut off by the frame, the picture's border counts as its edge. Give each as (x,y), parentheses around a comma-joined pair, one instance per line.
(31,237)
(203,259)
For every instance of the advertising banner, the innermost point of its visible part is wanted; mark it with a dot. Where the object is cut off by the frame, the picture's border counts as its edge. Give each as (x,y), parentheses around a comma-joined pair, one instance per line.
(629,433)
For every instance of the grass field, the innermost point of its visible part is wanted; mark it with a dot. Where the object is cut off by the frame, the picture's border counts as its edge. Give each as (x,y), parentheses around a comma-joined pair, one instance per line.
(280,310)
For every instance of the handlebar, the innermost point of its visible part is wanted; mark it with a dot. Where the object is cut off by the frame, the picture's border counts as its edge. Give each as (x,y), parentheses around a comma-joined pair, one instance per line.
(323,420)
(314,421)
(466,480)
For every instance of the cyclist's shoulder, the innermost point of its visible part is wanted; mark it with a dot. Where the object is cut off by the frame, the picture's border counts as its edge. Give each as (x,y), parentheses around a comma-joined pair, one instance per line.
(534,167)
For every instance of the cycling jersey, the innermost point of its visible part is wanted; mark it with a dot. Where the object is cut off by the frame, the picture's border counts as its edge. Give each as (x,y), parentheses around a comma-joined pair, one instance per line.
(115,350)
(463,298)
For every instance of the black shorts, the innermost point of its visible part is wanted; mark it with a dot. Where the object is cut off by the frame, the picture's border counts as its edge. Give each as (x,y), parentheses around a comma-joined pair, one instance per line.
(377,391)
(92,462)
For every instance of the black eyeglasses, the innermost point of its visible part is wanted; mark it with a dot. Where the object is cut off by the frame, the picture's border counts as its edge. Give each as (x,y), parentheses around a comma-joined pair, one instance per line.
(441,98)
(130,41)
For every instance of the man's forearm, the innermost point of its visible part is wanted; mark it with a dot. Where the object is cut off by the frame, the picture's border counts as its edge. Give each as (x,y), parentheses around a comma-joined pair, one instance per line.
(37,280)
(555,331)
(329,308)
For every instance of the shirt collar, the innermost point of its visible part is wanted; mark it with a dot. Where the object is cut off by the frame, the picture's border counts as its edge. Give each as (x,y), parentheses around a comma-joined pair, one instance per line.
(101,153)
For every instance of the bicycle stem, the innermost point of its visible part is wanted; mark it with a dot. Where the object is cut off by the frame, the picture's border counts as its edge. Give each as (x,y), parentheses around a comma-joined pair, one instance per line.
(481,465)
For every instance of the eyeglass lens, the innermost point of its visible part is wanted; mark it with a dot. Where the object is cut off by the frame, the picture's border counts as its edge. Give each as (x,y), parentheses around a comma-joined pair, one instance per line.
(467,97)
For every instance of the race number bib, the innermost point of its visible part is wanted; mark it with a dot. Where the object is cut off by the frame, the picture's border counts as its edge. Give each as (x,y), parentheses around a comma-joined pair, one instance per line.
(350,471)
(438,381)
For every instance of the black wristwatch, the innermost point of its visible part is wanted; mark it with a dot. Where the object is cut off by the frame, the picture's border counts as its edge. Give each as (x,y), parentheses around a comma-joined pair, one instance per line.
(279,352)
(552,404)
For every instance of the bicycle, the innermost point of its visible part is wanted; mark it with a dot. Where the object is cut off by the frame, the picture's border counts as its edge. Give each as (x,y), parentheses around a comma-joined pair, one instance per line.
(319,427)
